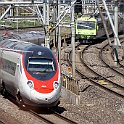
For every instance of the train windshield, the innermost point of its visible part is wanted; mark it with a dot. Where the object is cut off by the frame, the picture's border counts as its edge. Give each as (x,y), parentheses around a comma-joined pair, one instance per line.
(86,25)
(41,65)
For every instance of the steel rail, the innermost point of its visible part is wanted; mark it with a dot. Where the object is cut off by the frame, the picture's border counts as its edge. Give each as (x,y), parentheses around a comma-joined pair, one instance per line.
(54,113)
(62,117)
(111,87)
(40,117)
(103,59)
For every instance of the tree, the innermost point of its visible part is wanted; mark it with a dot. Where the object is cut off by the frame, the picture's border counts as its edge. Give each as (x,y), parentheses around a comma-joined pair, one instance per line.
(78,6)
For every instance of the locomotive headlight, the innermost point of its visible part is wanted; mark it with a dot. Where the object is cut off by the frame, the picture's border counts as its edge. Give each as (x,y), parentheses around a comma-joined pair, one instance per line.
(30,84)
(56,84)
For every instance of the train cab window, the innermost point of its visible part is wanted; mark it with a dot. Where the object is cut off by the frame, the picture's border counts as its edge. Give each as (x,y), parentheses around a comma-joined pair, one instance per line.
(42,65)
(86,25)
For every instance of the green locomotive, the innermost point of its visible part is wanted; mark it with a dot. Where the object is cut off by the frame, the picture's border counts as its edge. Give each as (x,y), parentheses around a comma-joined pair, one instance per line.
(86,27)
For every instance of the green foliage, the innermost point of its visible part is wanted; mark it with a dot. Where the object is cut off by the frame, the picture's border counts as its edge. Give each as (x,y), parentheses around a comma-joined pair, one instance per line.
(121,8)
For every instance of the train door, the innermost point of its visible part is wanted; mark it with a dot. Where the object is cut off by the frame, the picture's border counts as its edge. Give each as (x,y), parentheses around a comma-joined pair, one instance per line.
(0,63)
(1,68)
(18,76)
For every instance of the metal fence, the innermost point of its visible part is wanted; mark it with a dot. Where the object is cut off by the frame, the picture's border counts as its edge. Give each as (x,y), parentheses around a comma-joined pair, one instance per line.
(70,83)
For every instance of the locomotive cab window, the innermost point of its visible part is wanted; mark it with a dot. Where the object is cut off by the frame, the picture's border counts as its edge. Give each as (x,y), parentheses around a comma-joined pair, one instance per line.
(86,25)
(41,65)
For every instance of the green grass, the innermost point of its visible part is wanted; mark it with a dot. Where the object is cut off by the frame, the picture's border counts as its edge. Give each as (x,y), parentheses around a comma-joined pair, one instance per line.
(20,24)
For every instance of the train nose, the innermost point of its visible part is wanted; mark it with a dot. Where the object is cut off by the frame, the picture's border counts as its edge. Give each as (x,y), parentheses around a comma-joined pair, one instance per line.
(40,99)
(44,98)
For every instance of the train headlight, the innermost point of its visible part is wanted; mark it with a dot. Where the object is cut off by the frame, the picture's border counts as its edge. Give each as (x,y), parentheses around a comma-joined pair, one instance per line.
(56,85)
(30,84)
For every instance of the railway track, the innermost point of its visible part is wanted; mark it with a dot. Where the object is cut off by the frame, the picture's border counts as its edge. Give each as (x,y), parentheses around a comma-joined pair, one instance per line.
(47,115)
(102,80)
(96,78)
(119,67)
(54,118)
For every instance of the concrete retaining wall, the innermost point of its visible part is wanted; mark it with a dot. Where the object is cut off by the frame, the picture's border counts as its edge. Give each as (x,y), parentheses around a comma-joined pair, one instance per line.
(70,97)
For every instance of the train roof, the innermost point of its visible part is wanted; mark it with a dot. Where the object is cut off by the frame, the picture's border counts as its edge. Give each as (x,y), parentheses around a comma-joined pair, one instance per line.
(86,18)
(16,44)
(26,48)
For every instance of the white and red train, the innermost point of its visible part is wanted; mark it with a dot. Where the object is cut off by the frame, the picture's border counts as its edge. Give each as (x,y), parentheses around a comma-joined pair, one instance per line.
(29,72)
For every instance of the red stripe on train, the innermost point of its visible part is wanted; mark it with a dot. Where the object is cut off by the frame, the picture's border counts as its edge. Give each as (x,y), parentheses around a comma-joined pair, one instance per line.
(42,86)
